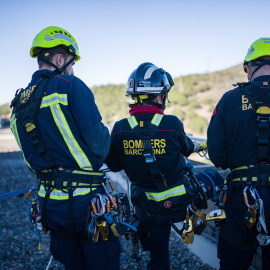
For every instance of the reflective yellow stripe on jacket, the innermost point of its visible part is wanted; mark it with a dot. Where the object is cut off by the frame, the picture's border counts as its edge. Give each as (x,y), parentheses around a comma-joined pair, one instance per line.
(53,101)
(13,126)
(160,196)
(155,120)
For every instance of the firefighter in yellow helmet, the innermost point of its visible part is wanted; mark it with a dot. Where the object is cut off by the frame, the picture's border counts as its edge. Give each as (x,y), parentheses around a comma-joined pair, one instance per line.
(239,139)
(58,127)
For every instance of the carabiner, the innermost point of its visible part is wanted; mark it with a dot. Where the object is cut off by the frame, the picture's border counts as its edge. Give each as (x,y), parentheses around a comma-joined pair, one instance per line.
(246,197)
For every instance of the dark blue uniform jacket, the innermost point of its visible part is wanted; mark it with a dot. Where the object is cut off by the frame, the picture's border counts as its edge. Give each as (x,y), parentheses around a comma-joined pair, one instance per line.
(67,112)
(232,133)
(169,143)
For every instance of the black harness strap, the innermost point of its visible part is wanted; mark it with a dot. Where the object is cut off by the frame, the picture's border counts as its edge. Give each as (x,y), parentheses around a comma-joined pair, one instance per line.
(145,135)
(259,98)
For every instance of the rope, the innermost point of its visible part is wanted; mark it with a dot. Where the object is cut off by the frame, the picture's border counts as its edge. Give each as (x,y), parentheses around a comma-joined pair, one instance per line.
(14,193)
(207,176)
(262,238)
(49,264)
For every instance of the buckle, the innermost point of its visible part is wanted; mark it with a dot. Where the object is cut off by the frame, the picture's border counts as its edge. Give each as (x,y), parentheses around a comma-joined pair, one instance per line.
(263,118)
(149,156)
(34,134)
(147,144)
(57,180)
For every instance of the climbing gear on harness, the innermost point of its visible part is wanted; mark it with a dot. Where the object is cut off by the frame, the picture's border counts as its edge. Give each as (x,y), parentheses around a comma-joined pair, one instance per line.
(107,211)
(199,220)
(262,237)
(251,212)
(187,230)
(217,216)
(33,212)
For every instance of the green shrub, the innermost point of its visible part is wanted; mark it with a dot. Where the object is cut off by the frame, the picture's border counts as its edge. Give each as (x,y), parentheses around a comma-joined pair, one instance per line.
(178,98)
(198,125)
(179,113)
(208,101)
(194,103)
(5,109)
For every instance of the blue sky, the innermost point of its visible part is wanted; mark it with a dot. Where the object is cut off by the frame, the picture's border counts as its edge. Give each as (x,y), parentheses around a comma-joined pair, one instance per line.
(114,36)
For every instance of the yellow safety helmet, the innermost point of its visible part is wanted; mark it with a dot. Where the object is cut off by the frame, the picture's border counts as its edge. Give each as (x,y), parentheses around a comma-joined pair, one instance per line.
(259,48)
(53,36)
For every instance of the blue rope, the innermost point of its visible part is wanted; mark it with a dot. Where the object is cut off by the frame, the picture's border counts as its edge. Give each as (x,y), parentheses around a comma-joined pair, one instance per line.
(208,177)
(14,193)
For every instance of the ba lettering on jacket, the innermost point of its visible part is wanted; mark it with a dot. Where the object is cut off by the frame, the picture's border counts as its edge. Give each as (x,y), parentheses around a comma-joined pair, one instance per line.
(135,147)
(245,103)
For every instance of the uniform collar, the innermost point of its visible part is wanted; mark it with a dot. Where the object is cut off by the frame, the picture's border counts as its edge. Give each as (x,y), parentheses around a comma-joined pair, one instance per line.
(262,81)
(38,74)
(135,109)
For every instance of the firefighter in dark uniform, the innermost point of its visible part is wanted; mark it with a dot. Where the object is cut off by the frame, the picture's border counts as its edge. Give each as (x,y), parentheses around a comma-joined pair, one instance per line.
(151,147)
(58,127)
(238,139)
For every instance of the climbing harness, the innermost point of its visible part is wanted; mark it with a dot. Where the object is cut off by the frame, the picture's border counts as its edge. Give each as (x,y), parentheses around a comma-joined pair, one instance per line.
(108,211)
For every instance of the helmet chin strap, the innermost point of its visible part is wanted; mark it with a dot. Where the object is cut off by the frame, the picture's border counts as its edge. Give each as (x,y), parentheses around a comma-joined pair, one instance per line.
(60,70)
(258,66)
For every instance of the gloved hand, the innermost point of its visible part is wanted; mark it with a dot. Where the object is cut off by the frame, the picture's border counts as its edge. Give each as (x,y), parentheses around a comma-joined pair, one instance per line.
(196,147)
(203,145)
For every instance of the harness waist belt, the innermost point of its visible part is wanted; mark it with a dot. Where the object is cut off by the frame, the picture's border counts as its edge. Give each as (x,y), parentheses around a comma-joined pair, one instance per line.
(253,173)
(70,179)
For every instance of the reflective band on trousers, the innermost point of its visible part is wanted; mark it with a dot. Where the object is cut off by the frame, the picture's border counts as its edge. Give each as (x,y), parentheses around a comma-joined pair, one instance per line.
(160,196)
(60,195)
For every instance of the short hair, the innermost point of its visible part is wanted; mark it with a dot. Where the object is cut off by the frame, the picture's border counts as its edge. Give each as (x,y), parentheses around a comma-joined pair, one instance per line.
(60,49)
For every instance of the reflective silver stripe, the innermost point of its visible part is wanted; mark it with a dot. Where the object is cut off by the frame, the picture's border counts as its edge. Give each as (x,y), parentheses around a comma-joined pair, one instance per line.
(71,142)
(61,36)
(154,90)
(132,121)
(266,40)
(149,72)
(54,99)
(160,196)
(157,119)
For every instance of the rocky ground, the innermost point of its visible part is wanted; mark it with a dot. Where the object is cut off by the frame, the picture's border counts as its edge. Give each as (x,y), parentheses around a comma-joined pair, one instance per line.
(19,241)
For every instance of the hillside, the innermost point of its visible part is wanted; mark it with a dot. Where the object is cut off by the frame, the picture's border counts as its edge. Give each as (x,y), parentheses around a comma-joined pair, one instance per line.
(192,98)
